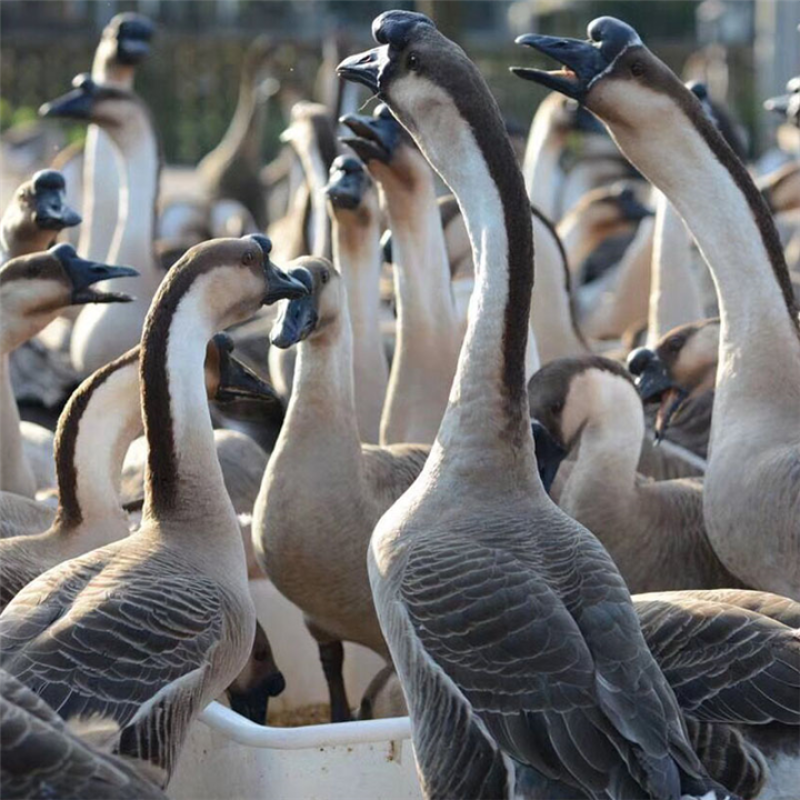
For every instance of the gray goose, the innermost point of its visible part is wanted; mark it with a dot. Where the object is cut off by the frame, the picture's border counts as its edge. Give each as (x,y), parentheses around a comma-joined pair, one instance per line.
(757,397)
(34,289)
(149,629)
(45,757)
(511,629)
(653,530)
(312,544)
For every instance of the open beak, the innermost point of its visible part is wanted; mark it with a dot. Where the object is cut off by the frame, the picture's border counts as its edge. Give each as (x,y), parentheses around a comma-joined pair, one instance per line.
(52,213)
(672,402)
(375,137)
(239,382)
(582,61)
(83,274)
(549,453)
(363,68)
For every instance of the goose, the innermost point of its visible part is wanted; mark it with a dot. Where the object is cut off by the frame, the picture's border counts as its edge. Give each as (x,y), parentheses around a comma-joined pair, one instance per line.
(787,105)
(100,336)
(757,398)
(33,290)
(355,221)
(653,530)
(312,547)
(45,757)
(98,423)
(173,596)
(741,720)
(231,169)
(420,377)
(510,627)
(36,214)
(124,45)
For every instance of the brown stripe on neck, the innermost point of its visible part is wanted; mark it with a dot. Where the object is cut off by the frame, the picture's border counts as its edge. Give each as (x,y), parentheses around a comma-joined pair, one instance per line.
(69,513)
(573,315)
(469,92)
(666,81)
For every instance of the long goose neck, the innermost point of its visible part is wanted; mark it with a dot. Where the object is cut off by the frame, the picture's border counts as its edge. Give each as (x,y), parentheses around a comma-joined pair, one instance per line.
(486,426)
(714,194)
(674,294)
(101,173)
(609,446)
(322,406)
(15,472)
(95,430)
(541,163)
(244,133)
(421,269)
(183,479)
(141,166)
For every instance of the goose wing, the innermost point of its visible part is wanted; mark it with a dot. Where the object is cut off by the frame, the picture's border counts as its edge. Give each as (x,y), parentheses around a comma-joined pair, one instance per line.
(724,662)
(590,711)
(42,758)
(130,640)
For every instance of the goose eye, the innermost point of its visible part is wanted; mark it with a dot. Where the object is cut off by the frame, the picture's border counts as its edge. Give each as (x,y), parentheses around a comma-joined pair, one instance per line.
(413,62)
(638,69)
(248,258)
(557,407)
(325,277)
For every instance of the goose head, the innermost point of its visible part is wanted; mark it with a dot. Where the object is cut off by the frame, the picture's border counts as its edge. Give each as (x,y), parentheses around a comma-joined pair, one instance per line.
(682,366)
(422,75)
(310,316)
(228,379)
(35,288)
(125,43)
(350,190)
(608,207)
(117,110)
(568,394)
(787,105)
(310,131)
(38,211)
(229,279)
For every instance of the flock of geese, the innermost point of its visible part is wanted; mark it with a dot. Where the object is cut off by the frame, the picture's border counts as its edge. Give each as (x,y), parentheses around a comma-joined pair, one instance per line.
(428,453)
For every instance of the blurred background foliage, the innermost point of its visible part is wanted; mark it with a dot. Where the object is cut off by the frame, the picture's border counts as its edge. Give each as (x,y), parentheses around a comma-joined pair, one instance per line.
(191,79)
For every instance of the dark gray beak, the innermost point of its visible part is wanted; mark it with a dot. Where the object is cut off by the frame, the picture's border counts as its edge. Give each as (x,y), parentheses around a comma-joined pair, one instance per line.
(298,318)
(280,286)
(363,68)
(52,212)
(549,454)
(347,184)
(651,374)
(253,704)
(238,381)
(76,104)
(83,274)
(375,137)
(584,62)
(630,206)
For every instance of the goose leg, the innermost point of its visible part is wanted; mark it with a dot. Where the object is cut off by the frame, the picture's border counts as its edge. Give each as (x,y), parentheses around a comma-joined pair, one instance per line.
(331,654)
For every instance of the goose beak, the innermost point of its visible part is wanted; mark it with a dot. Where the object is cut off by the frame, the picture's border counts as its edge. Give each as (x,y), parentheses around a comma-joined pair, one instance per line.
(52,213)
(654,383)
(582,61)
(253,703)
(363,68)
(76,104)
(549,454)
(294,324)
(631,208)
(238,382)
(282,286)
(375,137)
(347,184)
(82,274)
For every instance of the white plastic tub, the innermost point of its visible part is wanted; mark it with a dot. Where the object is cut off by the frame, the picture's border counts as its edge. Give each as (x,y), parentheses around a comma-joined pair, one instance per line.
(228,757)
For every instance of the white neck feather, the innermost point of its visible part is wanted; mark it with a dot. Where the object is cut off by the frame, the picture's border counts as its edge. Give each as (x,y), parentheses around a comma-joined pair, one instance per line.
(16,474)
(674,293)
(540,166)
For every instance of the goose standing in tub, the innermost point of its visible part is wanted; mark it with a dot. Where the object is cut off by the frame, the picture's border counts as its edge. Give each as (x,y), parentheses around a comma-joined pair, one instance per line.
(158,624)
(511,629)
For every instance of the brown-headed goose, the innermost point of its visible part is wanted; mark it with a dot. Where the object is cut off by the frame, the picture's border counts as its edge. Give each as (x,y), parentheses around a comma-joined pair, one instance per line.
(156,625)
(34,289)
(313,545)
(420,377)
(653,530)
(36,214)
(124,44)
(757,398)
(94,431)
(99,336)
(355,221)
(44,756)
(511,629)
(781,188)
